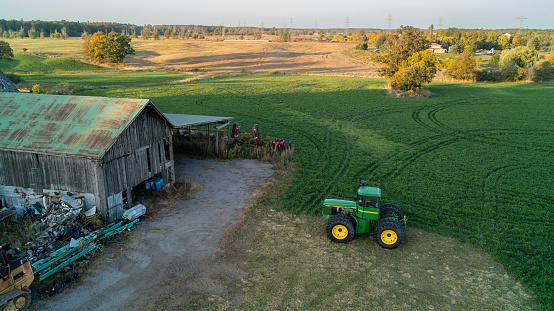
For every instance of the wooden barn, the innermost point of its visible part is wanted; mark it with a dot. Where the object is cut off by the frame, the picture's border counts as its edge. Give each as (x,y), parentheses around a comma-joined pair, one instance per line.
(98,147)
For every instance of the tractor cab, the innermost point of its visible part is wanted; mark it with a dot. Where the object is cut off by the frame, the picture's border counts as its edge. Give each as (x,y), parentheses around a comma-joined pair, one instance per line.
(369,197)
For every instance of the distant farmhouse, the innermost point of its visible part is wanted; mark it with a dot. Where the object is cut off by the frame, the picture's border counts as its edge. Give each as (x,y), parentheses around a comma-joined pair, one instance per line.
(436,48)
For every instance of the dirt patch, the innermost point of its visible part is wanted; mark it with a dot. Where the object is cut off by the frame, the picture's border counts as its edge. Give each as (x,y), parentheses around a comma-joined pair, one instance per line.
(171,253)
(293,265)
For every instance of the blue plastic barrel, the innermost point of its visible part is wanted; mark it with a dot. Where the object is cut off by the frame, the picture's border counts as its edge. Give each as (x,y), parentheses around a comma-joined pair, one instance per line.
(159,182)
(147,184)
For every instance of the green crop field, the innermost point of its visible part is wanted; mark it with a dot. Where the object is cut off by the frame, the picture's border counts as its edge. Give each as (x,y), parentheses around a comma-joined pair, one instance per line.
(474,161)
(35,64)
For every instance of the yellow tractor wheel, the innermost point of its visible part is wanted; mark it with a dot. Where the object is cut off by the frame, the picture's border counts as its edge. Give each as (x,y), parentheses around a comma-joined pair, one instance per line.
(341,228)
(389,233)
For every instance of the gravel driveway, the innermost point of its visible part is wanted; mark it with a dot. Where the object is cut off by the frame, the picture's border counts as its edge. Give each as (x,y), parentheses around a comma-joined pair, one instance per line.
(174,246)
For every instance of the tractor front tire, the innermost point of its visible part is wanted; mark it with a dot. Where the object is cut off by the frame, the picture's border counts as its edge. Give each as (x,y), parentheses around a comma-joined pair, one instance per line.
(389,233)
(341,228)
(389,210)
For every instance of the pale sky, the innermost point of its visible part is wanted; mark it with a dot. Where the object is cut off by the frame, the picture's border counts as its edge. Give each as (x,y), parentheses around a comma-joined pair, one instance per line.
(304,14)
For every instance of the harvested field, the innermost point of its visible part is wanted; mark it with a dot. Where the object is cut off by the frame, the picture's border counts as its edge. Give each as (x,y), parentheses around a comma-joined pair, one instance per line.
(231,55)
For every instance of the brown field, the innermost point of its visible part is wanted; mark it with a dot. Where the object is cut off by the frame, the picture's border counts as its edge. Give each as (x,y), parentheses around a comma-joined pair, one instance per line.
(259,56)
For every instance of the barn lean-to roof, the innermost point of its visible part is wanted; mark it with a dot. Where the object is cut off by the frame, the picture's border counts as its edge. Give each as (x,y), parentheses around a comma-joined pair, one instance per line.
(77,126)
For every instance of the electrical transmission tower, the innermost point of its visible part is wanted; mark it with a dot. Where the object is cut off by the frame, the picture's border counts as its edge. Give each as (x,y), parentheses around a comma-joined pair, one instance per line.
(440,23)
(521,18)
(347,22)
(389,19)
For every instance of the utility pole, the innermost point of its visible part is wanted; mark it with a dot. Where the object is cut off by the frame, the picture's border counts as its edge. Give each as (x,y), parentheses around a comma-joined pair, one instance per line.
(521,18)
(389,19)
(263,28)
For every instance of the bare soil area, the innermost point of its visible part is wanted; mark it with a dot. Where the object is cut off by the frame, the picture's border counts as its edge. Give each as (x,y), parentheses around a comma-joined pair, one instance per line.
(175,245)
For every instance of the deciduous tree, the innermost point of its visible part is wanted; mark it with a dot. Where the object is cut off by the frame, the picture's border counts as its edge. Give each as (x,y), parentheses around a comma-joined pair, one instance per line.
(6,51)
(93,47)
(398,47)
(463,67)
(116,46)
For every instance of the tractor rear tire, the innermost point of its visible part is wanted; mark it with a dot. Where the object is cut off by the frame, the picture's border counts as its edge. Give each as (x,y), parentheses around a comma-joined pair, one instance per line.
(389,210)
(389,233)
(341,228)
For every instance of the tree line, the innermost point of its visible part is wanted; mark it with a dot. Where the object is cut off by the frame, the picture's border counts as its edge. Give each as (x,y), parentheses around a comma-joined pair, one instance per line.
(410,65)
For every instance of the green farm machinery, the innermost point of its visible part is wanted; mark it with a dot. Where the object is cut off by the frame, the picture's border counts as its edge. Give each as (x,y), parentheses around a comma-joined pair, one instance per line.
(348,217)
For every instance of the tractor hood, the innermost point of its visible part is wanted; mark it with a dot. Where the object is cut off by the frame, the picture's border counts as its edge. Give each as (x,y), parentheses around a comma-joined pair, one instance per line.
(339,203)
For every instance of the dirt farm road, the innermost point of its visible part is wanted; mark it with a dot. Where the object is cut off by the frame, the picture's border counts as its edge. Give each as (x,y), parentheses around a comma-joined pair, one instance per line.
(175,245)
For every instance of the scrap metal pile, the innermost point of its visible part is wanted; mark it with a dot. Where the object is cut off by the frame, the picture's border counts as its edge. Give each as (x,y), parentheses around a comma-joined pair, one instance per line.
(66,231)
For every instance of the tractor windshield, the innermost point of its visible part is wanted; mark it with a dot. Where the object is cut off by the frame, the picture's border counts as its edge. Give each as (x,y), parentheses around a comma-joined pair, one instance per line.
(368,201)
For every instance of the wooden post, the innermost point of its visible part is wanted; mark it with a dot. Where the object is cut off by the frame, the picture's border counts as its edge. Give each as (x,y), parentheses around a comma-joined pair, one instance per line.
(209,149)
(216,140)
(172,163)
(129,197)
(229,128)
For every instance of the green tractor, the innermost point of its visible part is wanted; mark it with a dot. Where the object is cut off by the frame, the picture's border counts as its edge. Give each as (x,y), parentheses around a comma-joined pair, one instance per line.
(349,217)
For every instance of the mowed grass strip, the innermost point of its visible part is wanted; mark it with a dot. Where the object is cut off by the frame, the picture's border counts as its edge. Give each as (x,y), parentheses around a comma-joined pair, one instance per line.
(473,162)
(26,64)
(124,79)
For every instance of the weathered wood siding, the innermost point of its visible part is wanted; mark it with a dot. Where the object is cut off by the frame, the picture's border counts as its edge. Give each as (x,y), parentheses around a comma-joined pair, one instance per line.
(40,171)
(138,153)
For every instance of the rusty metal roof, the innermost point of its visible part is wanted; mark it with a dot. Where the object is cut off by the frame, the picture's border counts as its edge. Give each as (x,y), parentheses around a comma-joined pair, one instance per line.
(79,126)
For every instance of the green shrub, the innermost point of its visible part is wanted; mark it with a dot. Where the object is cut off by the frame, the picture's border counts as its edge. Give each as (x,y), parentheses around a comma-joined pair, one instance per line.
(488,74)
(412,78)
(495,60)
(540,72)
(37,89)
(361,46)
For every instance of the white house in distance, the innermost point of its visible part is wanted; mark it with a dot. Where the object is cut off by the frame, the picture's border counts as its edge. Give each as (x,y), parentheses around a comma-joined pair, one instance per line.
(436,48)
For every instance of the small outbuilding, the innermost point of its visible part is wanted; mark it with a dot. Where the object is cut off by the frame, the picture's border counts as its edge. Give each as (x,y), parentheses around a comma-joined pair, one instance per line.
(97,147)
(437,48)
